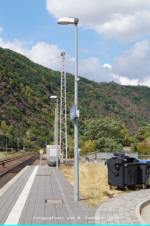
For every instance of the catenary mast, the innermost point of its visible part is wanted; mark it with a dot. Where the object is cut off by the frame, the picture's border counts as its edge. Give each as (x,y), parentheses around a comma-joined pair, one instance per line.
(63,113)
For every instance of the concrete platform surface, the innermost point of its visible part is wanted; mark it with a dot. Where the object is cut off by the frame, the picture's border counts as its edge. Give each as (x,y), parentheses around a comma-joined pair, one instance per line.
(36,198)
(40,195)
(146,214)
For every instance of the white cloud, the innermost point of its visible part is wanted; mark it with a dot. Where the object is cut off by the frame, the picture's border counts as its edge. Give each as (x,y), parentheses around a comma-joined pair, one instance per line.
(1,29)
(123,20)
(16,45)
(130,68)
(93,70)
(46,55)
(126,81)
(146,82)
(131,82)
(107,65)
(40,53)
(134,63)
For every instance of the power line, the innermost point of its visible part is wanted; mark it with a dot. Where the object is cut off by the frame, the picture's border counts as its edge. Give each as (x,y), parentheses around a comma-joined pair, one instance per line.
(51,59)
(44,62)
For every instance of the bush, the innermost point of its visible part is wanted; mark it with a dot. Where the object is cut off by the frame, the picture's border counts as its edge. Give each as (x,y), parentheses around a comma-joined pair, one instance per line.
(13,152)
(87,148)
(22,109)
(116,111)
(142,148)
(22,152)
(134,148)
(1,100)
(16,113)
(24,97)
(17,96)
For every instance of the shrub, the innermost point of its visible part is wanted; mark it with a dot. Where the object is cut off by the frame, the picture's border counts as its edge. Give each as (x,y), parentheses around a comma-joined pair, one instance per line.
(87,148)
(17,96)
(16,113)
(4,127)
(142,148)
(24,97)
(13,152)
(22,109)
(1,100)
(22,152)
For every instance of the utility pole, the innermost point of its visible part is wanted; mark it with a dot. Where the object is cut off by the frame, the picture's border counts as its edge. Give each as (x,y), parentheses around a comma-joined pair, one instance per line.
(24,143)
(63,113)
(46,146)
(56,97)
(65,21)
(18,143)
(55,129)
(6,144)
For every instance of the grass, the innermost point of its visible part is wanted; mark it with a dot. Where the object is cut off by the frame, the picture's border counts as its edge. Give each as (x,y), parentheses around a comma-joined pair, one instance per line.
(6,155)
(93,184)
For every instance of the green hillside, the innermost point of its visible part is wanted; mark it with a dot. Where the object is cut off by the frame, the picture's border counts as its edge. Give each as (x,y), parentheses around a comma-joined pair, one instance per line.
(26,109)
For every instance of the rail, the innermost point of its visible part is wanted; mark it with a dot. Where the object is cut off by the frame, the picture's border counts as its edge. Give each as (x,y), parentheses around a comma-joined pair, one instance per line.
(32,158)
(4,161)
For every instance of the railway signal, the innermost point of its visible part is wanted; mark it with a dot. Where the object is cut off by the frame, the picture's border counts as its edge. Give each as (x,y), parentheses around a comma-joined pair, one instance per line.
(41,151)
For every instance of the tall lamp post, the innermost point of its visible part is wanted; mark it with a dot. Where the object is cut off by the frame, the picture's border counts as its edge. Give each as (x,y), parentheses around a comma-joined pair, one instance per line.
(55,97)
(66,21)
(6,143)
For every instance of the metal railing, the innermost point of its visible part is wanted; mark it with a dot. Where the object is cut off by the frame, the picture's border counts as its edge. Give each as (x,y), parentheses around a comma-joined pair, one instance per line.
(108,155)
(143,156)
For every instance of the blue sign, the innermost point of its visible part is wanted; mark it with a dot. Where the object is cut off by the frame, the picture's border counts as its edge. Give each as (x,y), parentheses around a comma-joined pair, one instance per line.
(73,113)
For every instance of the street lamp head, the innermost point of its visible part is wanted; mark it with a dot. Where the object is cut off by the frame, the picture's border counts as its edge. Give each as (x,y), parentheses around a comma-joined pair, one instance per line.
(63,54)
(53,97)
(68,20)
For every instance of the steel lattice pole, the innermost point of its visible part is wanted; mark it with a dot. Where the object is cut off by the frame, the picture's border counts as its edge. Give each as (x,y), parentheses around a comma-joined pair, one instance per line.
(63,115)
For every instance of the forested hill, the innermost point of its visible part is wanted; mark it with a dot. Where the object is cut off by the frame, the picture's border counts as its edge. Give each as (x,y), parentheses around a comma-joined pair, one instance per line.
(25,106)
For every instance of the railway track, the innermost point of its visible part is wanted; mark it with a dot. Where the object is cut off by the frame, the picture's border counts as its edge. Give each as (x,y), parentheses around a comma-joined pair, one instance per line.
(11,166)
(13,162)
(10,159)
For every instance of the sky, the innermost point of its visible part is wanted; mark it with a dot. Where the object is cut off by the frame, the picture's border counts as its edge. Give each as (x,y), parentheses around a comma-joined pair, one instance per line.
(113,36)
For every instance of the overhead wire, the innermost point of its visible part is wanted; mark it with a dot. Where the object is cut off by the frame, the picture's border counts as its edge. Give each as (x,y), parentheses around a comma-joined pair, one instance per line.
(51,59)
(44,62)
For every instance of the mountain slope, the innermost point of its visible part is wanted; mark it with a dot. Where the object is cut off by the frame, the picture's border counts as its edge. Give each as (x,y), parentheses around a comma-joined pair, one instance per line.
(25,89)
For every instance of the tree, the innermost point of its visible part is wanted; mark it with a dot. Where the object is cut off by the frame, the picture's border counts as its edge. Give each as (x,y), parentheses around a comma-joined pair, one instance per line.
(87,147)
(142,133)
(70,148)
(107,134)
(11,130)
(4,127)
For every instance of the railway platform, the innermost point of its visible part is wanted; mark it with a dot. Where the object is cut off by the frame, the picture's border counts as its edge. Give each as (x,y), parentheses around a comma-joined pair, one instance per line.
(40,195)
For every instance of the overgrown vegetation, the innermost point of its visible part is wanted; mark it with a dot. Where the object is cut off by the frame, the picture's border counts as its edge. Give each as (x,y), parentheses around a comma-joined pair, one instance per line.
(27,111)
(93,183)
(106,133)
(13,153)
(142,141)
